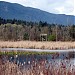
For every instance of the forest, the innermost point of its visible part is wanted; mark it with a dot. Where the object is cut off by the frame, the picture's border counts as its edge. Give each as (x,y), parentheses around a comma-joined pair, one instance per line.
(17,30)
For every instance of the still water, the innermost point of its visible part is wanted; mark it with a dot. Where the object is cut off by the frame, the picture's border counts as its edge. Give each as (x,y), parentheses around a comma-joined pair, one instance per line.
(59,62)
(68,58)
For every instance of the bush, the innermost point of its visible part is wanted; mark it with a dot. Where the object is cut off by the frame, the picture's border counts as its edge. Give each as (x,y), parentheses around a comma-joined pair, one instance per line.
(26,36)
(52,37)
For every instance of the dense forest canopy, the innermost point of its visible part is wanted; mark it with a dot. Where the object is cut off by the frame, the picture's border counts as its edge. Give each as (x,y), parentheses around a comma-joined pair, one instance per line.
(14,30)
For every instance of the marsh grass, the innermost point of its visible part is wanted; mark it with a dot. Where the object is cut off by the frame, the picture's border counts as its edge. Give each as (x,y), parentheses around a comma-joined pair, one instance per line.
(36,68)
(25,53)
(37,45)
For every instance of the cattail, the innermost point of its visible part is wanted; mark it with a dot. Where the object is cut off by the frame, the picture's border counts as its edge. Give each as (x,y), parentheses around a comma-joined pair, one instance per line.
(28,62)
(24,63)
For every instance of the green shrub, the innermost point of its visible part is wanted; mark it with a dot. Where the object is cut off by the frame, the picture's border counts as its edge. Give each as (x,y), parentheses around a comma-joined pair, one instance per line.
(52,37)
(26,36)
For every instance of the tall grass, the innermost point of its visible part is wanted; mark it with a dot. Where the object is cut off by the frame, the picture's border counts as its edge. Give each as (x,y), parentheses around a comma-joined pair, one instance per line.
(41,67)
(37,45)
(24,53)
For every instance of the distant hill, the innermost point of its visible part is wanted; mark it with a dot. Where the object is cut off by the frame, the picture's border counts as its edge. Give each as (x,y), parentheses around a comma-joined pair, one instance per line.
(17,11)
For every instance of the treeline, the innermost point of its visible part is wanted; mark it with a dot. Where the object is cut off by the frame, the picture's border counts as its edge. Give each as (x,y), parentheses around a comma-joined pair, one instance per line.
(12,29)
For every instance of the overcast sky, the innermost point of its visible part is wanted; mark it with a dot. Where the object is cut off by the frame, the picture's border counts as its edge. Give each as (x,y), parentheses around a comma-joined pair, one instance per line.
(52,6)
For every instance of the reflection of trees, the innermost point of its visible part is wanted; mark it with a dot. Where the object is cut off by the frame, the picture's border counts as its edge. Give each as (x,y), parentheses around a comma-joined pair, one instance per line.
(35,67)
(71,54)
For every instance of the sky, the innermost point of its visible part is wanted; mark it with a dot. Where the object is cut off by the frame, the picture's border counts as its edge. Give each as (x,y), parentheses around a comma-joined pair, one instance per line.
(53,6)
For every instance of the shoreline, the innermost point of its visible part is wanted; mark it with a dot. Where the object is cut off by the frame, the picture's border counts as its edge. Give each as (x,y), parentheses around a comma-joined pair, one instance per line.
(38,45)
(35,50)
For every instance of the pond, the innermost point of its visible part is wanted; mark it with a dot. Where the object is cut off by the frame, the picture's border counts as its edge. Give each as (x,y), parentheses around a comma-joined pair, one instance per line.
(55,63)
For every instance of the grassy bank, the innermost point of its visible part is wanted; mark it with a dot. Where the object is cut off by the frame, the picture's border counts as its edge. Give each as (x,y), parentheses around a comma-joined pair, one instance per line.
(37,45)
(24,53)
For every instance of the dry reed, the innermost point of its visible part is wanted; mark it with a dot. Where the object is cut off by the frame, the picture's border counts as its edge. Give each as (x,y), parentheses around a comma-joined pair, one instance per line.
(37,45)
(11,68)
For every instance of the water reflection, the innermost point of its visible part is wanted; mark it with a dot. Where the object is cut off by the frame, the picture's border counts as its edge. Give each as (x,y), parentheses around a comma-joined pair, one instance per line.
(60,63)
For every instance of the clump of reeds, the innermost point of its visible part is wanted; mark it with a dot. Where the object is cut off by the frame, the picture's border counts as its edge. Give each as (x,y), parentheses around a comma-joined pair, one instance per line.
(37,45)
(34,67)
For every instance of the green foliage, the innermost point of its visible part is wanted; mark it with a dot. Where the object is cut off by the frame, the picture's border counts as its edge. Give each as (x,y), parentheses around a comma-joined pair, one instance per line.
(13,30)
(43,24)
(72,32)
(25,53)
(52,37)
(26,36)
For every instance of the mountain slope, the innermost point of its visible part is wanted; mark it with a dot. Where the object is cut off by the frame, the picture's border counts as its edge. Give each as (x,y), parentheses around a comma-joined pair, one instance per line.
(17,11)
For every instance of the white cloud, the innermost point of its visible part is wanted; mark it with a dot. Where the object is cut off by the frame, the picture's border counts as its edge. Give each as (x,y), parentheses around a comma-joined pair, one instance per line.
(60,9)
(52,6)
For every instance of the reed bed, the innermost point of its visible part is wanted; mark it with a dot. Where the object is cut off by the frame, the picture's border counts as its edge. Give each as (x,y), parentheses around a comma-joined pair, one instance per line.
(41,67)
(37,45)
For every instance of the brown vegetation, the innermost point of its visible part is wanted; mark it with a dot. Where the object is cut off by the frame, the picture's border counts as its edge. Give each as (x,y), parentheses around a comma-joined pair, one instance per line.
(35,45)
(41,68)
(31,31)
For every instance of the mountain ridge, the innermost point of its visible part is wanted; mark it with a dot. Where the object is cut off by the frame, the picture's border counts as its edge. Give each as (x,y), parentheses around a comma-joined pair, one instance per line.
(17,11)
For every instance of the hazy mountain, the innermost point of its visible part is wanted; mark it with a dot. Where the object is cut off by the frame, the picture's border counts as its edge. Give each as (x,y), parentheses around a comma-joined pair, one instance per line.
(17,11)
